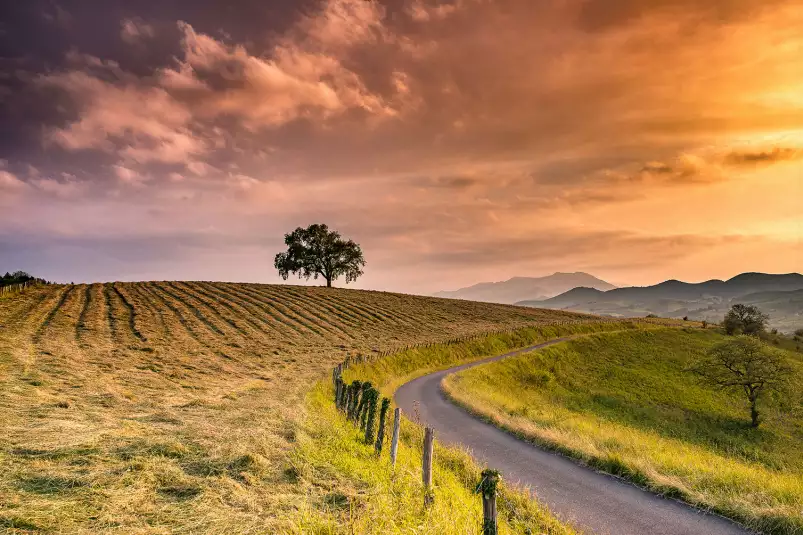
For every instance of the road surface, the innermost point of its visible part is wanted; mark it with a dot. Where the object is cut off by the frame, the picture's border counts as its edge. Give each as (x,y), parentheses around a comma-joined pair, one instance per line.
(594,502)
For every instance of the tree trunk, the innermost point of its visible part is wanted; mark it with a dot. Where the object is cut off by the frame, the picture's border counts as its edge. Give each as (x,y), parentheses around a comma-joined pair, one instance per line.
(328,282)
(753,411)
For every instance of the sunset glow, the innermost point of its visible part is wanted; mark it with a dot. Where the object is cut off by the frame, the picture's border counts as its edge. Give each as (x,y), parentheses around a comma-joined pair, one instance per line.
(455,141)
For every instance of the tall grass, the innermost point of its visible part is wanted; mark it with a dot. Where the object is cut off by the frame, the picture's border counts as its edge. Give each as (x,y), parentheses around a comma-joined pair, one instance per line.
(351,490)
(623,402)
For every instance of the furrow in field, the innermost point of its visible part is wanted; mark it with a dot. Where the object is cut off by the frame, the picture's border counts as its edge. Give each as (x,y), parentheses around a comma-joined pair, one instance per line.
(280,314)
(121,322)
(369,301)
(313,322)
(213,305)
(366,307)
(320,311)
(143,296)
(278,321)
(317,301)
(110,317)
(158,292)
(20,306)
(131,312)
(37,336)
(394,305)
(232,334)
(234,310)
(95,331)
(183,300)
(255,310)
(19,342)
(357,317)
(57,349)
(80,325)
(409,310)
(363,316)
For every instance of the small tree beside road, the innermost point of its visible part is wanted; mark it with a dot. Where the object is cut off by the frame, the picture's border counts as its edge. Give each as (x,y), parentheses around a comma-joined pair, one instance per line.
(744,363)
(316,251)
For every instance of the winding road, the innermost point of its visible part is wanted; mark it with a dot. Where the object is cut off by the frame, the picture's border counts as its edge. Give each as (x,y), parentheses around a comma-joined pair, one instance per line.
(594,502)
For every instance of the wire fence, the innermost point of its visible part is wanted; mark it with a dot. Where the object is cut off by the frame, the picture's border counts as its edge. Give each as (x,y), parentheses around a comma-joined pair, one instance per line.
(13,289)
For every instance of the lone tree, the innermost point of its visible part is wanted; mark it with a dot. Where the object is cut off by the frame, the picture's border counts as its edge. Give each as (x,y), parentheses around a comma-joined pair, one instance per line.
(745,319)
(744,363)
(316,251)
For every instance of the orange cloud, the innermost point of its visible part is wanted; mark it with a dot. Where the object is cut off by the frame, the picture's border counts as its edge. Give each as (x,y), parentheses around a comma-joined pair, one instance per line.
(468,136)
(763,157)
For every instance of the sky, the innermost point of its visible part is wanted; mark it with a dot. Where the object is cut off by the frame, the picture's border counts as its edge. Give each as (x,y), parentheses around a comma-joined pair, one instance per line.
(456,141)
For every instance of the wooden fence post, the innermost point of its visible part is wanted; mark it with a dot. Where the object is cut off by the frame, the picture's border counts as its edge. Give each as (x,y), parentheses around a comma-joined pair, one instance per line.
(429,441)
(380,435)
(394,441)
(487,488)
(365,403)
(344,395)
(354,397)
(370,418)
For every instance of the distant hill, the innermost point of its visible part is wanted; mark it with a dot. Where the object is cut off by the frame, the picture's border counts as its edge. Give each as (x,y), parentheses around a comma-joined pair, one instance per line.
(780,296)
(526,288)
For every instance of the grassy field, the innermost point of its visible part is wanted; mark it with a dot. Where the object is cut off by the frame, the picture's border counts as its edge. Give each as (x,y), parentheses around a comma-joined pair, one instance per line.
(624,403)
(179,407)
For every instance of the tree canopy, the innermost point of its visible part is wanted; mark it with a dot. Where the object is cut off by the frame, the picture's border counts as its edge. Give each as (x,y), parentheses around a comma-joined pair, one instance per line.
(316,251)
(745,319)
(744,363)
(18,277)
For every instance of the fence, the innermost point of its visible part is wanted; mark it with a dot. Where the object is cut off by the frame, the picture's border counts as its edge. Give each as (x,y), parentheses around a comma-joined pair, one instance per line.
(358,401)
(13,289)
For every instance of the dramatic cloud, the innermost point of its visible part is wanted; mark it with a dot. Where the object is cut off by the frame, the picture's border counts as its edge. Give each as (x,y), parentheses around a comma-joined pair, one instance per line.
(455,140)
(140,123)
(10,183)
(134,31)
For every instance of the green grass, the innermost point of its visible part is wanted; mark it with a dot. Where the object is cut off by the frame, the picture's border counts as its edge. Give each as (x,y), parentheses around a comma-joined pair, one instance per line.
(390,372)
(624,403)
(353,491)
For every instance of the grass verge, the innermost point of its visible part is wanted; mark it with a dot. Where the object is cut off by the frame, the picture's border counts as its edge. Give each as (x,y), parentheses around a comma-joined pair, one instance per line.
(622,402)
(351,490)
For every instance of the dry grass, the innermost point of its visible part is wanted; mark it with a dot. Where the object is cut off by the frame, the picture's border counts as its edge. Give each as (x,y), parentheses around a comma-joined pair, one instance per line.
(173,407)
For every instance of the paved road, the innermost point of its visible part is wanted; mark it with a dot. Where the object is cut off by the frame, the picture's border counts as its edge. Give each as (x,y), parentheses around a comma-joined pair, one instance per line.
(594,502)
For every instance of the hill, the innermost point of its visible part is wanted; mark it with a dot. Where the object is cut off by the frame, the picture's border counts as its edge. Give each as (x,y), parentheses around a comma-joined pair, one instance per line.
(778,295)
(625,403)
(178,406)
(526,288)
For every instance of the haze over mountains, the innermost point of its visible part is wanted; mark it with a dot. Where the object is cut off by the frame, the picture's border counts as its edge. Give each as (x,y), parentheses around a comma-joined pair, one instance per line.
(527,288)
(780,296)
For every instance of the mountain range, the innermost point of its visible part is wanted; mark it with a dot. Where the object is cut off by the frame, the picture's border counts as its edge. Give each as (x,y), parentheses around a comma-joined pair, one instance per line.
(527,288)
(780,296)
